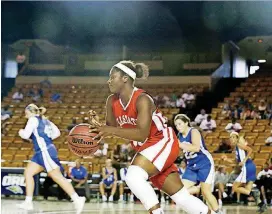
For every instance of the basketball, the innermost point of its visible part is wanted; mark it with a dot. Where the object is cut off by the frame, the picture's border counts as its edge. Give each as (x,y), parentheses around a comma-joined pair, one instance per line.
(81,142)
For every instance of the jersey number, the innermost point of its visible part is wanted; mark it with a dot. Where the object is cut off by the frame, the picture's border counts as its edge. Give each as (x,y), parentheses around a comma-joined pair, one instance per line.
(190,155)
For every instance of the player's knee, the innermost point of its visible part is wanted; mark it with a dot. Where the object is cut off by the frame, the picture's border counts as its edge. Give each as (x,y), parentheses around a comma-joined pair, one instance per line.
(134,174)
(180,197)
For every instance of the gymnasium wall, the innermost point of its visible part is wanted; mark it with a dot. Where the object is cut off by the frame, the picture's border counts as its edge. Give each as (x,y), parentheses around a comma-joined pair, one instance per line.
(205,80)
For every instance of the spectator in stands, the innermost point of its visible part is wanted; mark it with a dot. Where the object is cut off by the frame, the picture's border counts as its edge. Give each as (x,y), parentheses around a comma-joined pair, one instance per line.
(5,113)
(208,125)
(242,101)
(117,153)
(180,103)
(227,109)
(168,102)
(40,91)
(190,100)
(18,96)
(264,181)
(245,114)
(220,181)
(233,126)
(255,114)
(224,147)
(236,112)
(159,101)
(46,83)
(56,98)
(122,183)
(79,176)
(200,117)
(109,181)
(102,150)
(268,141)
(262,109)
(36,95)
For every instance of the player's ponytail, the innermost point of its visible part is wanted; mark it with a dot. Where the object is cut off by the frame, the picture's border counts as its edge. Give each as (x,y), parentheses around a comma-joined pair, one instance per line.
(34,109)
(42,111)
(141,70)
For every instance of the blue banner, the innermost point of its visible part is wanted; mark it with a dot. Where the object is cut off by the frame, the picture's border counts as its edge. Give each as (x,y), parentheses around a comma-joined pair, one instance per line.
(13,182)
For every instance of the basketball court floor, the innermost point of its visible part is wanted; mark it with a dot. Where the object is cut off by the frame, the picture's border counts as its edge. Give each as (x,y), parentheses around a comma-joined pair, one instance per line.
(53,207)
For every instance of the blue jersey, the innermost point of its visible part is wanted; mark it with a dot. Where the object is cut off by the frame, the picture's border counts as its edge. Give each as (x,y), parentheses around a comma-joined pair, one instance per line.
(42,132)
(195,158)
(248,172)
(109,181)
(79,173)
(241,155)
(41,136)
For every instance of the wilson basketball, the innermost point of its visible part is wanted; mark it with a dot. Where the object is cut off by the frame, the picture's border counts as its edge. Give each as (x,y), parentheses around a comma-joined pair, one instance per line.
(80,140)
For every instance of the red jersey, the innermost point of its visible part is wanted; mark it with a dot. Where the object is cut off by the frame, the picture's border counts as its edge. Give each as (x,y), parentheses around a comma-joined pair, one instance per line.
(126,117)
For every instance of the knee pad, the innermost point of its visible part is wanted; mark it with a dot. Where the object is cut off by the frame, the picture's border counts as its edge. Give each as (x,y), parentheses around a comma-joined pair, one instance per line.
(135,173)
(181,196)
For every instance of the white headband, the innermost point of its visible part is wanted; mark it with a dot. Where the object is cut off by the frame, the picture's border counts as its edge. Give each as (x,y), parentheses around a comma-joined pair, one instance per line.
(125,69)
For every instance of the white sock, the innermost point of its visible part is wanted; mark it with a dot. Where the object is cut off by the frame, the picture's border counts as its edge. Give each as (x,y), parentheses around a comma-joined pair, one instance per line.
(158,211)
(136,179)
(121,197)
(74,196)
(28,198)
(189,203)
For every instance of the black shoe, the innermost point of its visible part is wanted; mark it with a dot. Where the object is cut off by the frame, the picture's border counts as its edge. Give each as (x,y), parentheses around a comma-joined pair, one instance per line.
(262,208)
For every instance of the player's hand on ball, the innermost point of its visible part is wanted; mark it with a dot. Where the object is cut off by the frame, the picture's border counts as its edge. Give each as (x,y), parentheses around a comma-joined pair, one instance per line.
(103,131)
(94,119)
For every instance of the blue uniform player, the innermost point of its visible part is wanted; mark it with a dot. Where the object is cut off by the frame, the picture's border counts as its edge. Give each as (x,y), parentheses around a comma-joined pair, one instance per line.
(200,165)
(247,175)
(109,180)
(42,132)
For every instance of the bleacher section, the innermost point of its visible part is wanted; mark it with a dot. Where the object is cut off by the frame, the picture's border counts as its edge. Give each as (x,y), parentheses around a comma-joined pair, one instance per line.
(77,100)
(254,89)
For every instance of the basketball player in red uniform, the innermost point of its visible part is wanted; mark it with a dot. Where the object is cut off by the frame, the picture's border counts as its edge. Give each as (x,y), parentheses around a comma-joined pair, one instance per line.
(132,114)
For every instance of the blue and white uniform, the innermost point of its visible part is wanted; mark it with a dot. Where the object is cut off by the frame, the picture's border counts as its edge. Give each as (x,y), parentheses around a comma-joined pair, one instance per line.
(42,132)
(123,173)
(248,172)
(110,180)
(181,172)
(200,165)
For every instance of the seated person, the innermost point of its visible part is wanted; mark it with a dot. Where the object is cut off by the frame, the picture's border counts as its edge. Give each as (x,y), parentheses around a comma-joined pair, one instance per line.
(208,124)
(5,113)
(200,117)
(220,181)
(264,181)
(122,184)
(102,150)
(224,147)
(109,180)
(233,126)
(268,141)
(18,96)
(79,176)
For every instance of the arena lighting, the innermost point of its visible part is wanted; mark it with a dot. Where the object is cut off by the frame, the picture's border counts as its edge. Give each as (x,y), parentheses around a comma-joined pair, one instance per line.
(261,61)
(253,69)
